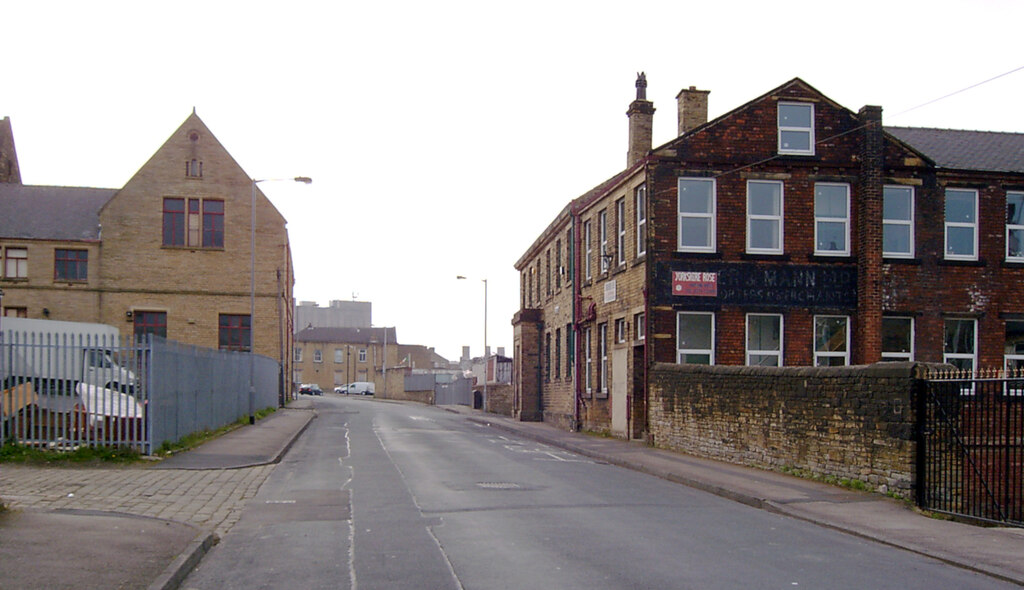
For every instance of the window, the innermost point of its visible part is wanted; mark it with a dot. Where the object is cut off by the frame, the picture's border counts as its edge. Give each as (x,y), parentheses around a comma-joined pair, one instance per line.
(15,312)
(831,341)
(570,351)
(588,362)
(1013,353)
(961,224)
(695,337)
(547,272)
(202,227)
(529,287)
(796,128)
(602,232)
(620,231)
(71,265)
(1015,226)
(587,250)
(897,339)
(318,355)
(898,222)
(960,343)
(764,340)
(559,269)
(620,330)
(194,169)
(640,194)
(602,352)
(149,322)
(696,214)
(640,326)
(764,217)
(547,357)
(570,253)
(339,355)
(297,355)
(362,355)
(16,263)
(174,222)
(558,353)
(831,219)
(234,332)
(213,223)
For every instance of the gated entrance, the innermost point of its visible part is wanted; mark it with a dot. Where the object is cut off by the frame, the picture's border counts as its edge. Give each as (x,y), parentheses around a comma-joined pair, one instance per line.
(971,446)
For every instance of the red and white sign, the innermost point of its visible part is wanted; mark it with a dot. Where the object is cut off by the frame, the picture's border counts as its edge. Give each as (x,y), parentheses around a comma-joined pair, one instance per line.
(695,284)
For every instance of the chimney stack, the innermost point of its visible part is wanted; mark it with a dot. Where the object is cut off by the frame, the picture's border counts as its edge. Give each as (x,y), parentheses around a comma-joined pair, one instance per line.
(641,123)
(693,108)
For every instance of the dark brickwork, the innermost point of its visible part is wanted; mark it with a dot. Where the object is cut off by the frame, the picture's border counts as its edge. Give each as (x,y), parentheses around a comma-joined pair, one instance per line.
(848,422)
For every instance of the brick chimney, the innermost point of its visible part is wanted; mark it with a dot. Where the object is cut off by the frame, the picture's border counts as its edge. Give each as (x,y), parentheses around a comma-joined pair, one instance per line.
(693,108)
(641,123)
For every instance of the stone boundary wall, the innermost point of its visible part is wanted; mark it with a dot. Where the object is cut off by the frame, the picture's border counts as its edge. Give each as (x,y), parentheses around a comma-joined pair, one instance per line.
(423,397)
(846,422)
(499,399)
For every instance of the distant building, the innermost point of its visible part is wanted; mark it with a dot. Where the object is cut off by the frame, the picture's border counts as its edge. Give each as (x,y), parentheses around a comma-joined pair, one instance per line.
(331,357)
(338,314)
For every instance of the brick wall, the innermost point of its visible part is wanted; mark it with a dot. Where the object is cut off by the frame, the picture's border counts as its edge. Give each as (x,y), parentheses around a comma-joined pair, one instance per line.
(846,422)
(499,400)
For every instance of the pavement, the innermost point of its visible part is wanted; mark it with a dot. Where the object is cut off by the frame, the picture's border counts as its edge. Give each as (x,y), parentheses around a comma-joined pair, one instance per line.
(147,528)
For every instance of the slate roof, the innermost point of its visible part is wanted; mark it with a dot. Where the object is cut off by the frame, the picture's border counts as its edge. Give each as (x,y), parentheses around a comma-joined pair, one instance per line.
(991,151)
(347,335)
(51,212)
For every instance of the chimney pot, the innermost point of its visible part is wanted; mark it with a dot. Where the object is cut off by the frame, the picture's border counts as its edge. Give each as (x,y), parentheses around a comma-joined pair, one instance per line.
(641,123)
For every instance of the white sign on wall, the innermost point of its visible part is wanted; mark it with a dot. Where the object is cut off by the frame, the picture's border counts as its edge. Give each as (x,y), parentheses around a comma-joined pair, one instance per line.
(609,291)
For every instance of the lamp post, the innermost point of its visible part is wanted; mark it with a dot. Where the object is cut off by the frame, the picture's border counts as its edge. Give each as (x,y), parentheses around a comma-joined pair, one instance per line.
(252,288)
(460,277)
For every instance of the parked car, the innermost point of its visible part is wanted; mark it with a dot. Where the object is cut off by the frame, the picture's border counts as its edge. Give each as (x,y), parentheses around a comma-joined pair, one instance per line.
(310,389)
(360,388)
(341,389)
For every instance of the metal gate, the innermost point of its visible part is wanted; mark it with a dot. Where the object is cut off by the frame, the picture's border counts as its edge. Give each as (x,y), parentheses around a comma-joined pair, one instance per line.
(970,450)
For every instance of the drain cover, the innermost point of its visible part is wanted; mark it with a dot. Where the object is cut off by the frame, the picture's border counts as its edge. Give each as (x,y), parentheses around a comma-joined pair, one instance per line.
(498,485)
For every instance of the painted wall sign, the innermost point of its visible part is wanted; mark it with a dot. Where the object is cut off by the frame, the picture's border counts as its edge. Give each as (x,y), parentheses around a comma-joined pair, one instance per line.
(747,283)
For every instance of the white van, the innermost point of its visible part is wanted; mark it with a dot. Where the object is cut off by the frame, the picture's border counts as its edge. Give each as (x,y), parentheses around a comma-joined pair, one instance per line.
(360,388)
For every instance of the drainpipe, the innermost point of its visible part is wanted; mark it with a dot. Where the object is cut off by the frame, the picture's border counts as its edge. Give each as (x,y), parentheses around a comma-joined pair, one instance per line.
(576,302)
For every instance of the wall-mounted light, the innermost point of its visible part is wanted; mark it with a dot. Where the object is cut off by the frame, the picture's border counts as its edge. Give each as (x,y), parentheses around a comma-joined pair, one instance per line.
(128,315)
(46,312)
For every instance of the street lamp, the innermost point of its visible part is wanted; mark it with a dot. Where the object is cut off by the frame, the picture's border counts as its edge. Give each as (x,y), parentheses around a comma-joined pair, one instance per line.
(460,277)
(252,288)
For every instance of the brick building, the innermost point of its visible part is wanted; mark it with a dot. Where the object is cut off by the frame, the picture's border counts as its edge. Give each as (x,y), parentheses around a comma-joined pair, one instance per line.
(790,231)
(168,253)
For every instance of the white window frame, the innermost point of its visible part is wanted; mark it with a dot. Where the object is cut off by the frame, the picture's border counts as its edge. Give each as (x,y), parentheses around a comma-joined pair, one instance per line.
(297,355)
(602,351)
(362,355)
(709,216)
(680,352)
(795,129)
(602,232)
(1018,227)
(1015,388)
(820,219)
(909,223)
(958,356)
(900,356)
(620,220)
(640,197)
(640,325)
(17,267)
(588,250)
(961,224)
(823,354)
(778,219)
(318,355)
(339,355)
(588,362)
(762,352)
(620,330)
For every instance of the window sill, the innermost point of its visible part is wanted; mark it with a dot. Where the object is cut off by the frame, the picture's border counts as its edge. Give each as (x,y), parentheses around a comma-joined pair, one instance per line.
(781,256)
(14,279)
(684,255)
(907,261)
(975,263)
(1013,264)
(194,248)
(838,258)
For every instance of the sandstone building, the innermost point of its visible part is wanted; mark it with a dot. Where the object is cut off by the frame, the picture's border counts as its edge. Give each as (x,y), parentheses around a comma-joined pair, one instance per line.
(168,253)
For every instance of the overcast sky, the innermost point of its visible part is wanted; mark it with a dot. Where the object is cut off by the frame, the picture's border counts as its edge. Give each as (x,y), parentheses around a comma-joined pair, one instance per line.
(442,137)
